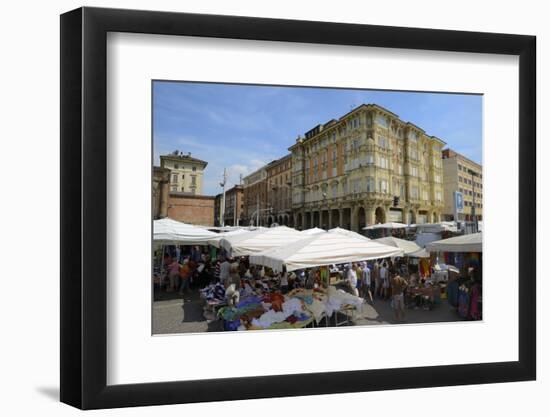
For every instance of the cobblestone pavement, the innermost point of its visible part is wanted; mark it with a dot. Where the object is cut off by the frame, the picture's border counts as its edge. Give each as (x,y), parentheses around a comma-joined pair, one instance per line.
(173,313)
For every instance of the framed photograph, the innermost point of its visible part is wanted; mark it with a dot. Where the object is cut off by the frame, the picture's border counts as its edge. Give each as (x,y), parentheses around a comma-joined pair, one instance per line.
(250,205)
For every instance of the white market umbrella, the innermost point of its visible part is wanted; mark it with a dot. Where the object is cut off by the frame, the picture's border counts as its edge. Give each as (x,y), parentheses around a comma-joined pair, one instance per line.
(389,225)
(347,232)
(323,249)
(407,246)
(464,243)
(313,231)
(171,232)
(260,240)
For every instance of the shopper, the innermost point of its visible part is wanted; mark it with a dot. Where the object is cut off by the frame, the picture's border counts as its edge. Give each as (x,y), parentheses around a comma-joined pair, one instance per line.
(173,273)
(284,280)
(352,279)
(398,286)
(225,270)
(367,282)
(384,280)
(376,278)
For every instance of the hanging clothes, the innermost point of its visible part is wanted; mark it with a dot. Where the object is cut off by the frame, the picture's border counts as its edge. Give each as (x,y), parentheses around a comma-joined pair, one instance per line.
(475,310)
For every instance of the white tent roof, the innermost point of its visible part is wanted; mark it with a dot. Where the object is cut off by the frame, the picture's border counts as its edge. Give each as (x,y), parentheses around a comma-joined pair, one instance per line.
(464,243)
(390,225)
(347,232)
(323,249)
(407,246)
(437,227)
(259,240)
(168,231)
(312,231)
(215,241)
(422,253)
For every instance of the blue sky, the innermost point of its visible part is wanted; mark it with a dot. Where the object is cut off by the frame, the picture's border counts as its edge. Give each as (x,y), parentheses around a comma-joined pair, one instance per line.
(242,127)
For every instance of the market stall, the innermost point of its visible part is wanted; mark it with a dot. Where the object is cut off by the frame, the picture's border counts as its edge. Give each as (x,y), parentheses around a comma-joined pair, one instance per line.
(323,249)
(260,240)
(465,243)
(347,233)
(313,231)
(463,291)
(171,232)
(407,246)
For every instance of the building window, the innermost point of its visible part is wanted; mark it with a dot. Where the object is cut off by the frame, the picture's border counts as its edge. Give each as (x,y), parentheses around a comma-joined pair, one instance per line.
(183,189)
(370,184)
(414,192)
(383,186)
(382,121)
(193,180)
(174,178)
(176,166)
(174,188)
(194,168)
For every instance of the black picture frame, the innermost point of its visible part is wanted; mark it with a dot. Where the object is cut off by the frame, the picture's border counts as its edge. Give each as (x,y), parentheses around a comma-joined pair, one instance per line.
(84,207)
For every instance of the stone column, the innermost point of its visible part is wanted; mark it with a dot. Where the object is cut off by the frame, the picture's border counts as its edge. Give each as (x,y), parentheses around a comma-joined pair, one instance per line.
(340,217)
(355,219)
(303,220)
(330,218)
(406,215)
(369,215)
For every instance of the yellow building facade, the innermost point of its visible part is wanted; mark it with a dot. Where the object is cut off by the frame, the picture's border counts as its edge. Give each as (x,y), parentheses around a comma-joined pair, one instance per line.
(367,167)
(186,172)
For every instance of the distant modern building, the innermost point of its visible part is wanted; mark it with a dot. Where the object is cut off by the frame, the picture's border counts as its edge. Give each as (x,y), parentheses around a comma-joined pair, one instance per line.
(186,172)
(233,206)
(367,167)
(465,176)
(279,194)
(255,204)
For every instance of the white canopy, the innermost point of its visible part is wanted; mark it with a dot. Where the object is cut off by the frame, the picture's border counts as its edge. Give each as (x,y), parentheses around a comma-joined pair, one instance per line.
(323,249)
(313,231)
(436,227)
(259,240)
(464,243)
(422,253)
(390,225)
(347,232)
(407,246)
(215,241)
(169,231)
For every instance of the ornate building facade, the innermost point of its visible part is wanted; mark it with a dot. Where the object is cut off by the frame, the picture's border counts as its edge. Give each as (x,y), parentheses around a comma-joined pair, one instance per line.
(367,167)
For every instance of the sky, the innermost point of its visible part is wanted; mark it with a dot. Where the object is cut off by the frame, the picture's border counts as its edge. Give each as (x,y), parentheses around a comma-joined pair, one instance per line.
(243,127)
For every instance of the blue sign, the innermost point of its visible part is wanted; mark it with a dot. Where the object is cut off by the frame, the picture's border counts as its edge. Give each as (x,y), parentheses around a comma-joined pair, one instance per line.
(459,202)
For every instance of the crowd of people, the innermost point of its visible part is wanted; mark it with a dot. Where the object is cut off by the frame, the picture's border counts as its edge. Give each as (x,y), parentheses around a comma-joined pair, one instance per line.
(380,280)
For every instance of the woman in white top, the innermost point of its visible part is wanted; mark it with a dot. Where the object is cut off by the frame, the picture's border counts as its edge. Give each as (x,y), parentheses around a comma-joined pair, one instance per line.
(367,281)
(352,280)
